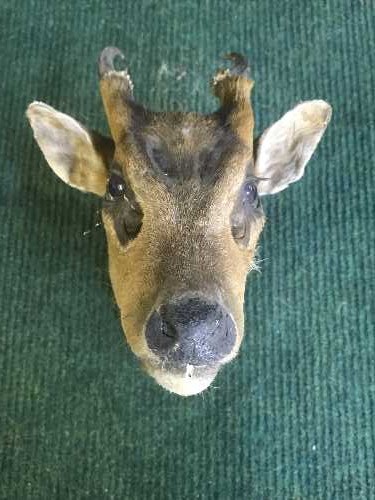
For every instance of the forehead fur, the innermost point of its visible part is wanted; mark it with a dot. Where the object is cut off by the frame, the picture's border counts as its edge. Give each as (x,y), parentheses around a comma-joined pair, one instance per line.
(175,148)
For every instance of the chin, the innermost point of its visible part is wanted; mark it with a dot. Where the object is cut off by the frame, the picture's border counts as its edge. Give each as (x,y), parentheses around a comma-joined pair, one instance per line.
(186,381)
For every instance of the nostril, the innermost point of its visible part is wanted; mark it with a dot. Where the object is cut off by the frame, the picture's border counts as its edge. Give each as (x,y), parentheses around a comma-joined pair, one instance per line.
(168,329)
(160,334)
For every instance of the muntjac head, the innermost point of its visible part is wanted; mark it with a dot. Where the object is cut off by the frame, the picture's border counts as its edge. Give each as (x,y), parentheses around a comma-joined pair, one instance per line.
(181,210)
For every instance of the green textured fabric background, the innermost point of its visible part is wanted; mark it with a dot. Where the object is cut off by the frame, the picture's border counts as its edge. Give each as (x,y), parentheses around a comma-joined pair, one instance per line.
(293,416)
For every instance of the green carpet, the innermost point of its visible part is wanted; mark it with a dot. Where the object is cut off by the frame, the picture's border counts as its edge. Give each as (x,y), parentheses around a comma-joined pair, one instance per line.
(293,416)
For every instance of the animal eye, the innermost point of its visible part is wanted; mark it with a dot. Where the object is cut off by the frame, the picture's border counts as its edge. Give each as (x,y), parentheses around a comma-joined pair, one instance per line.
(250,192)
(116,185)
(120,203)
(245,210)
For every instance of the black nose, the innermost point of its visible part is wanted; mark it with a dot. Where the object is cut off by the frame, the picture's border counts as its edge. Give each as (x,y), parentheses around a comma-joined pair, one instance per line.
(191,331)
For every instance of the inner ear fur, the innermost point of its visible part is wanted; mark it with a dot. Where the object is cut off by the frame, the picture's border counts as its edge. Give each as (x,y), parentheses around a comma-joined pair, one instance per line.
(80,157)
(283,150)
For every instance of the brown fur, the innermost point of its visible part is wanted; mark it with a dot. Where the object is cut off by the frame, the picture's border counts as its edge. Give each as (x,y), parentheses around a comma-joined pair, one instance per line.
(185,244)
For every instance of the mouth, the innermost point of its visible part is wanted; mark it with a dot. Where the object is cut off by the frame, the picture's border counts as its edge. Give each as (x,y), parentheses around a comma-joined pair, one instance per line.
(184,380)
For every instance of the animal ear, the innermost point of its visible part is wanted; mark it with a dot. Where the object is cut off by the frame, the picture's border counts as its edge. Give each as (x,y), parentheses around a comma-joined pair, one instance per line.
(282,151)
(78,156)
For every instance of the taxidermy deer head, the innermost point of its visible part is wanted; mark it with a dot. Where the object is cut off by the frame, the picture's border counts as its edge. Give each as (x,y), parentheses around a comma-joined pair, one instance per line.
(181,210)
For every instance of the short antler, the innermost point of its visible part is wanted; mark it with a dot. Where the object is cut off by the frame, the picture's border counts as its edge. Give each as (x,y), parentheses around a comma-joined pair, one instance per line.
(106,60)
(233,88)
(116,89)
